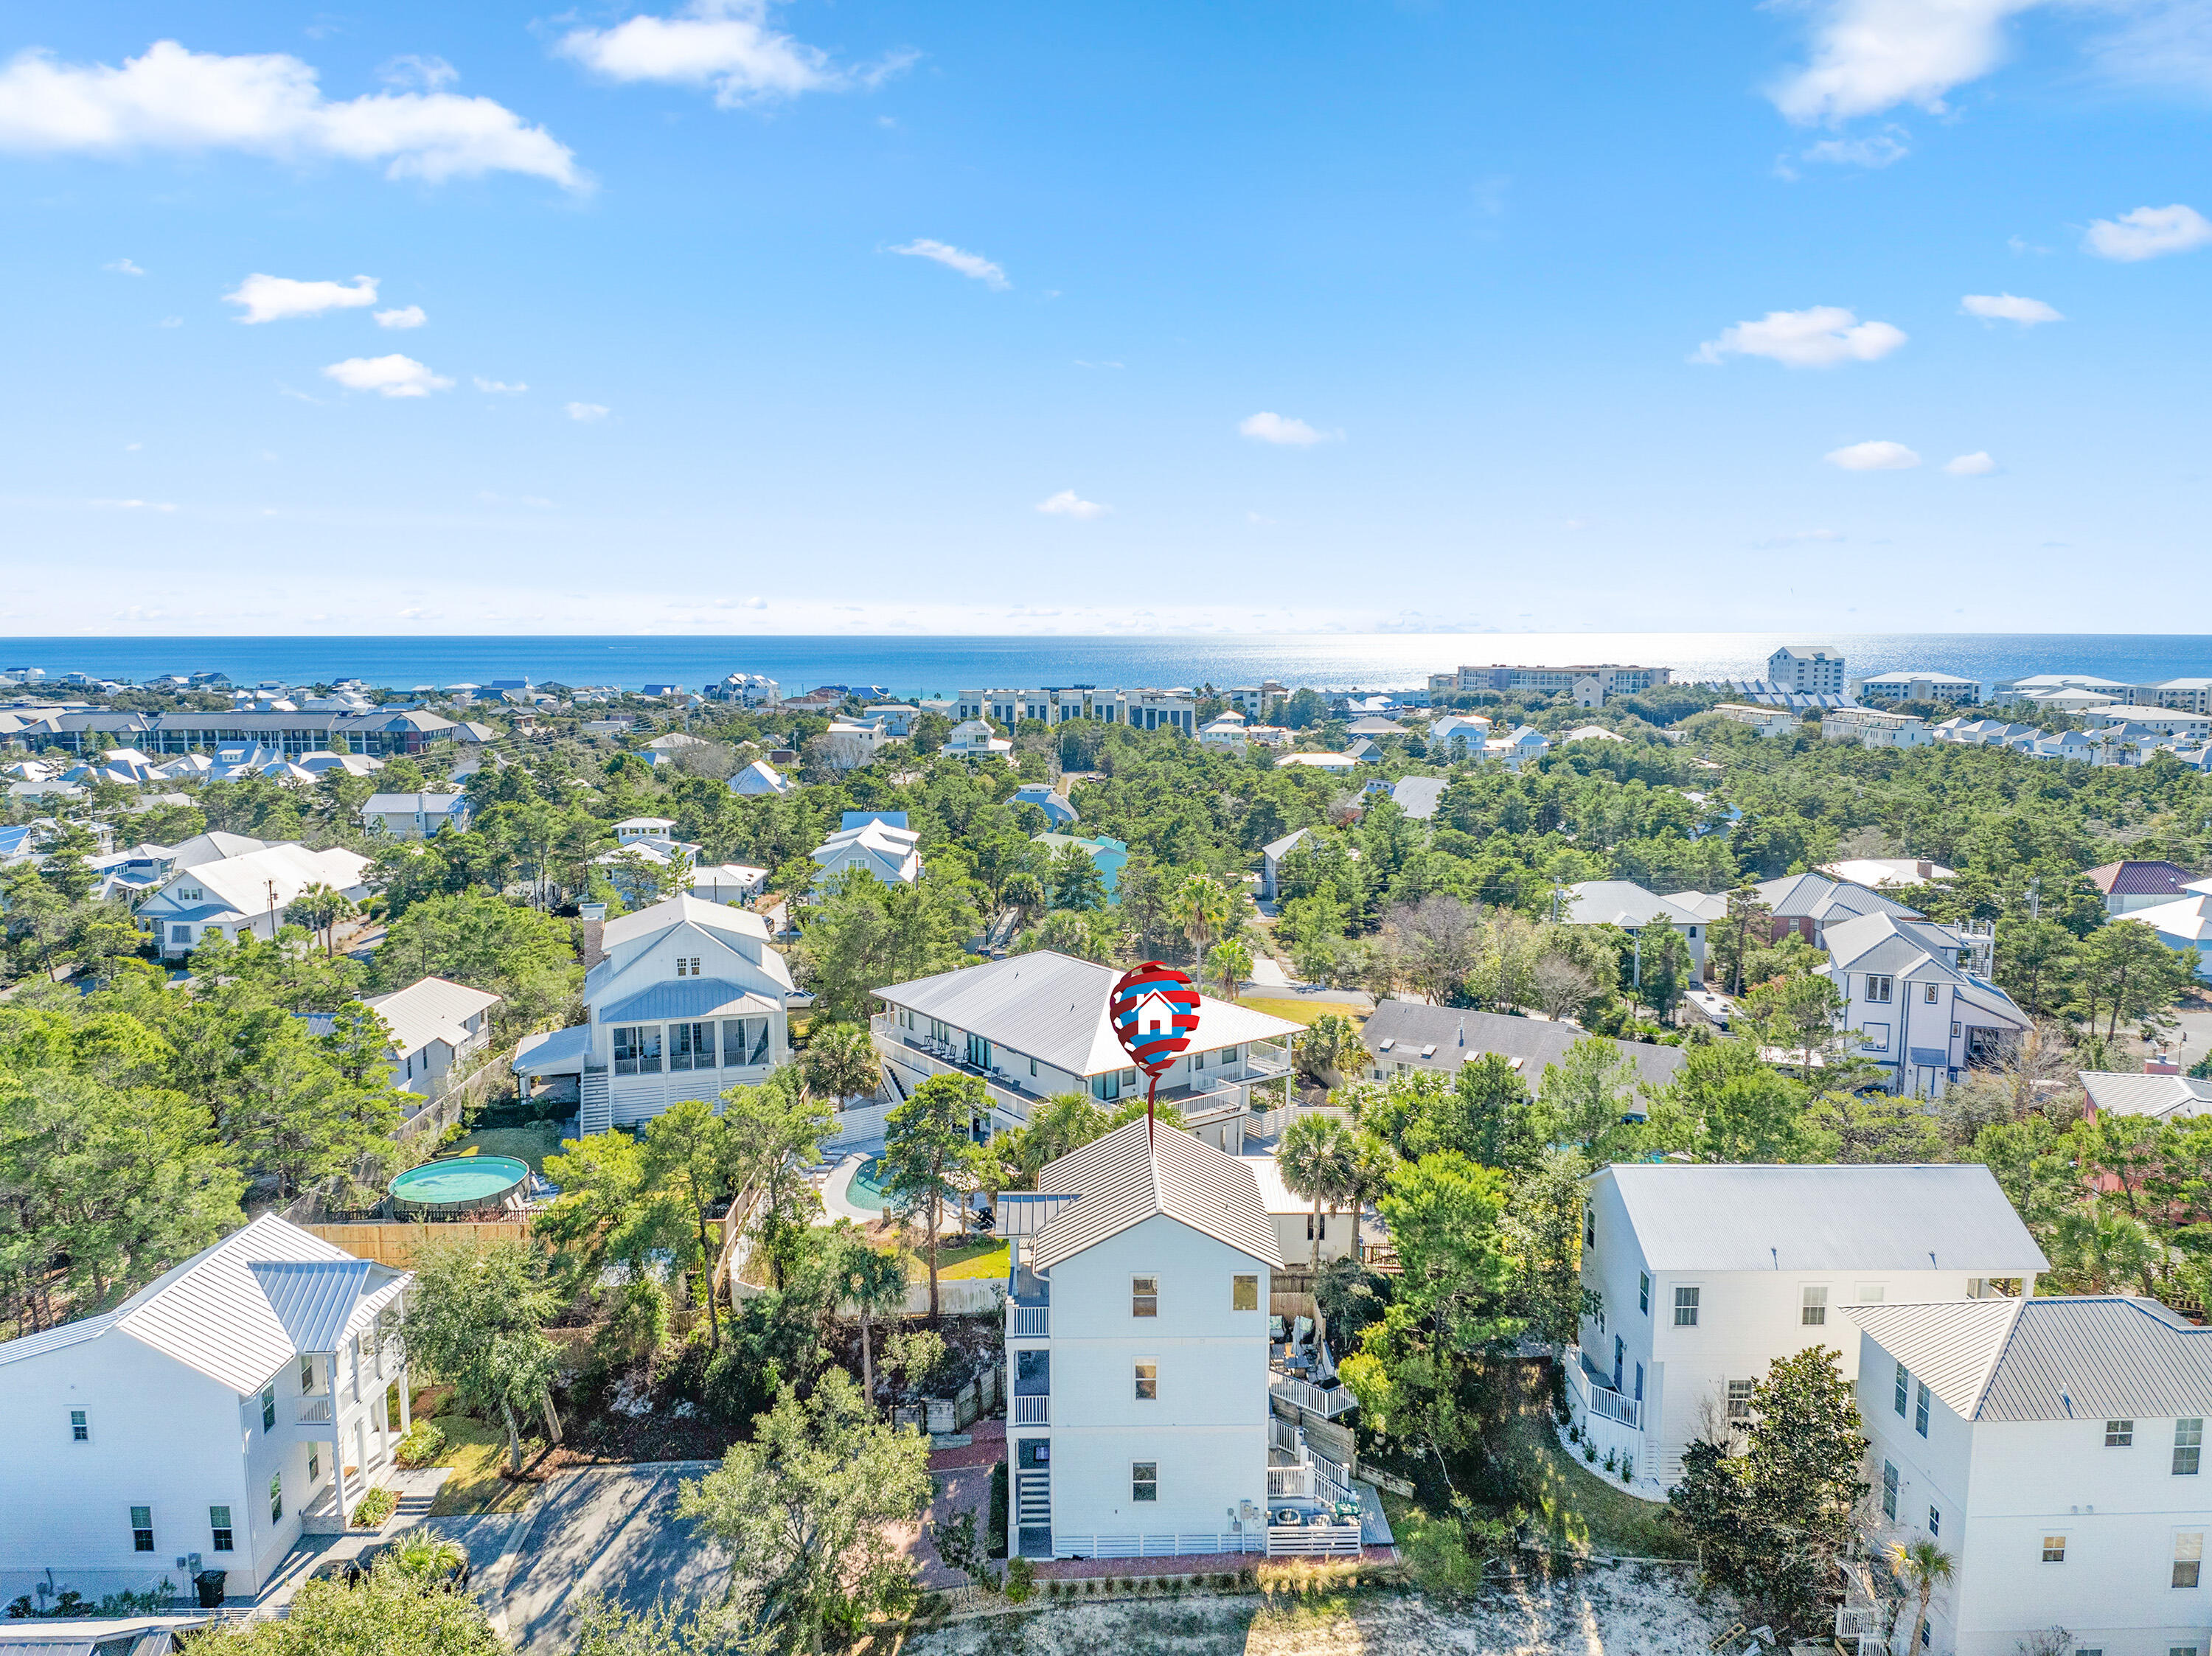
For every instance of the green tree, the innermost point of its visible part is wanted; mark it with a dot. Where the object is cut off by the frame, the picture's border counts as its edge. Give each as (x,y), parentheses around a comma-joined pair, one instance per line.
(1801,1013)
(804,1514)
(1543,1228)
(929,1155)
(2034,958)
(1330,1042)
(860,934)
(693,1155)
(1726,1104)
(525,956)
(1233,967)
(1319,1161)
(477,1319)
(1587,1098)
(395,1612)
(1747,928)
(1921,1566)
(1203,908)
(840,1062)
(1074,882)
(872,1282)
(2124,970)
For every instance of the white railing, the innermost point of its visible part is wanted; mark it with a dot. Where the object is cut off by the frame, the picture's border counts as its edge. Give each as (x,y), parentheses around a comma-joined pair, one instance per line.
(1290,1480)
(1029,1321)
(1313,1540)
(896,1047)
(1157,1546)
(1032,1409)
(1606,1403)
(314,1412)
(1327,1401)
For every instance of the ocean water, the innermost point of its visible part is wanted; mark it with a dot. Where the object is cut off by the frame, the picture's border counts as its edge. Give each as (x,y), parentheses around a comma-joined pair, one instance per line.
(940,666)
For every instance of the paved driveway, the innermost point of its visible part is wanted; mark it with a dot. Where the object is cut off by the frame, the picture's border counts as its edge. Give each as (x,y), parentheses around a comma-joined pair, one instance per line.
(612,1530)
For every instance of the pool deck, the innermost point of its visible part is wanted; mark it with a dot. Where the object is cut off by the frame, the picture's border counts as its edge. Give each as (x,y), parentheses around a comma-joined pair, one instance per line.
(837,1204)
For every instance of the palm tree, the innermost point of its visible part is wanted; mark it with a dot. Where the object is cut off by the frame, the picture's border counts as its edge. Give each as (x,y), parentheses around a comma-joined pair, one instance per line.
(1201,905)
(840,1062)
(1924,1567)
(1329,1039)
(319,909)
(420,1553)
(1232,965)
(875,1283)
(1319,1161)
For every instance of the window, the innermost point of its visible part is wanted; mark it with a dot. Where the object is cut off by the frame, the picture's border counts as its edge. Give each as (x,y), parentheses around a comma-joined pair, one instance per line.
(1312,1221)
(1589,1227)
(637,1049)
(1888,1490)
(80,1425)
(1920,1407)
(1148,1379)
(1879,988)
(1928,994)
(2188,1446)
(1812,1311)
(1903,1380)
(1686,1307)
(744,1040)
(1934,1520)
(269,1408)
(2054,1549)
(314,1461)
(1643,1293)
(276,1497)
(687,966)
(306,1376)
(1144,1480)
(219,1533)
(691,1046)
(1244,1292)
(1739,1398)
(1871,1293)
(141,1529)
(2099,1651)
(2188,1557)
(2119,1434)
(1144,1296)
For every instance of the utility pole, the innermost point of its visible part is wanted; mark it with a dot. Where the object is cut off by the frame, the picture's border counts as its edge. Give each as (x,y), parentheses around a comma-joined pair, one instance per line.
(271,884)
(2035,898)
(1559,896)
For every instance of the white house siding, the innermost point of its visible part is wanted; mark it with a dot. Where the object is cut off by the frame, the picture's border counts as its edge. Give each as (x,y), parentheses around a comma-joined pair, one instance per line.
(1207,1431)
(2002,1486)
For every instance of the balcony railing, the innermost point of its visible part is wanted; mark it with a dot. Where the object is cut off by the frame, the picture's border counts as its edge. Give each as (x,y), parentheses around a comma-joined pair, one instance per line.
(1601,1400)
(315,1411)
(1029,1321)
(1327,1401)
(1032,1409)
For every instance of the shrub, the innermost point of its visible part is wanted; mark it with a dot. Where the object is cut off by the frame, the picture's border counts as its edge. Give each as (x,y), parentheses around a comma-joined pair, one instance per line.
(995,1520)
(1021,1581)
(1590,1453)
(424,1443)
(372,1508)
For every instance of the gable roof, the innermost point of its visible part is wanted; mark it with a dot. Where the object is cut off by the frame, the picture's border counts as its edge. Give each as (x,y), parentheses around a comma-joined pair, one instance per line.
(1052,1007)
(1748,1216)
(1816,896)
(226,1312)
(2189,918)
(1623,903)
(243,884)
(683,909)
(432,805)
(1458,1036)
(431,1008)
(2086,1357)
(2140,879)
(1417,796)
(2128,1093)
(1133,1174)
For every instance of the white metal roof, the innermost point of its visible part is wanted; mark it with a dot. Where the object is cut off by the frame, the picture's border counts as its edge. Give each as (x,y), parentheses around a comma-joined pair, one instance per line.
(431,1008)
(1133,1174)
(215,1312)
(2088,1357)
(2126,1093)
(1736,1217)
(1275,1196)
(682,910)
(1052,1007)
(248,883)
(1623,903)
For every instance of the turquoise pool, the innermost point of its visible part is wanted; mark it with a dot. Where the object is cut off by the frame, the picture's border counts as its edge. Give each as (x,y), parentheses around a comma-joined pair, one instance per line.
(462,1181)
(866,1191)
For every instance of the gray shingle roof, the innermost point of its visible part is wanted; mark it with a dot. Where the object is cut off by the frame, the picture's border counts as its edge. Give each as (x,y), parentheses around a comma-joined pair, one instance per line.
(2094,1357)
(1458,1034)
(1122,1180)
(1757,1217)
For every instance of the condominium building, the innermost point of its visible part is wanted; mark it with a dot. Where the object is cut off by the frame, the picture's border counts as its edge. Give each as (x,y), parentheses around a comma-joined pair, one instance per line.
(1807,669)
(1141,709)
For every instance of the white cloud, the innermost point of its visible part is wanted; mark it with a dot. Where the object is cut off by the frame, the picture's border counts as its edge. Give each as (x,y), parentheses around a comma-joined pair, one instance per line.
(1978,464)
(392,376)
(124,267)
(726,44)
(266,104)
(586,411)
(1873,457)
(1264,428)
(272,298)
(1068,504)
(1819,338)
(430,73)
(1878,149)
(1872,55)
(500,386)
(956,258)
(411,316)
(2148,231)
(2009,308)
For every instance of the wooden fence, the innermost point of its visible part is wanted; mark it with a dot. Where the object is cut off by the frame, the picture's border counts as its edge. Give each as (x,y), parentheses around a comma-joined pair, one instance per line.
(394,1243)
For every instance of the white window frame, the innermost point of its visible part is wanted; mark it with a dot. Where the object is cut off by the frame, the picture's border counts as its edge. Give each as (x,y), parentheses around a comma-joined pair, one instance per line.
(80,1425)
(1138,1296)
(2054,1554)
(2188,1554)
(1237,1281)
(1143,1372)
(1694,1304)
(1137,1483)
(1812,1306)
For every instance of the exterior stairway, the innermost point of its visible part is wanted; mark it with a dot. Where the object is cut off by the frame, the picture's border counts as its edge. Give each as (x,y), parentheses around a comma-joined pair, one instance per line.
(596,1114)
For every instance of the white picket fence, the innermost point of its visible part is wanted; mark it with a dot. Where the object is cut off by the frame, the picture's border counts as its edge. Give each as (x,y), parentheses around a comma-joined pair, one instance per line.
(1313,1540)
(1158,1546)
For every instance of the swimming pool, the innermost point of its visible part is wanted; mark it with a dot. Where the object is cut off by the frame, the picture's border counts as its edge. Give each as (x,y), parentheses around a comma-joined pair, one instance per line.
(865,1189)
(460,1181)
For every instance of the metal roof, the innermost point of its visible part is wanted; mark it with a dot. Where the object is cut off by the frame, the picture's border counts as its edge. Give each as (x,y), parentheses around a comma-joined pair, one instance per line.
(1417,796)
(1734,1216)
(427,1009)
(2092,1357)
(683,910)
(1133,1174)
(1457,1035)
(213,1313)
(2140,879)
(313,1299)
(2125,1093)
(1052,1007)
(1623,903)
(559,1051)
(687,997)
(1815,896)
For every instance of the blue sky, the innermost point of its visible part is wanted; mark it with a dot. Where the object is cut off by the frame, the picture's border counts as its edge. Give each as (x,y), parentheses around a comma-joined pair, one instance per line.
(1864,314)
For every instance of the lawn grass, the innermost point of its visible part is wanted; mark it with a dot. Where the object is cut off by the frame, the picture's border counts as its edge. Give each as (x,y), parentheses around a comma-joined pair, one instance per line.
(985,1259)
(530,1144)
(1582,1510)
(1301,1012)
(475,1452)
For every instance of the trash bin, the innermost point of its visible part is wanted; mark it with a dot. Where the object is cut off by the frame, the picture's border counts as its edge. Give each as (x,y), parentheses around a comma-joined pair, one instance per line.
(210,1583)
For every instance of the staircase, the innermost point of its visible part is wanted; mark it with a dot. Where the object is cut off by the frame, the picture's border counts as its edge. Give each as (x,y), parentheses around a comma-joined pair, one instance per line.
(1032,1498)
(597,1113)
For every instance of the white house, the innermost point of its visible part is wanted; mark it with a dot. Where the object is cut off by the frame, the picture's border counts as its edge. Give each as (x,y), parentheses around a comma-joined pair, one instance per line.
(687,1001)
(1706,1274)
(1769,722)
(632,829)
(201,1423)
(1456,735)
(974,738)
(1293,1217)
(2055,1449)
(1136,1346)
(1057,809)
(415,816)
(1271,860)
(1918,684)
(435,1024)
(1035,1024)
(1521,744)
(248,895)
(1870,727)
(890,851)
(1226,732)
(1629,906)
(847,746)
(2183,925)
(1807,669)
(1921,1013)
(760,777)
